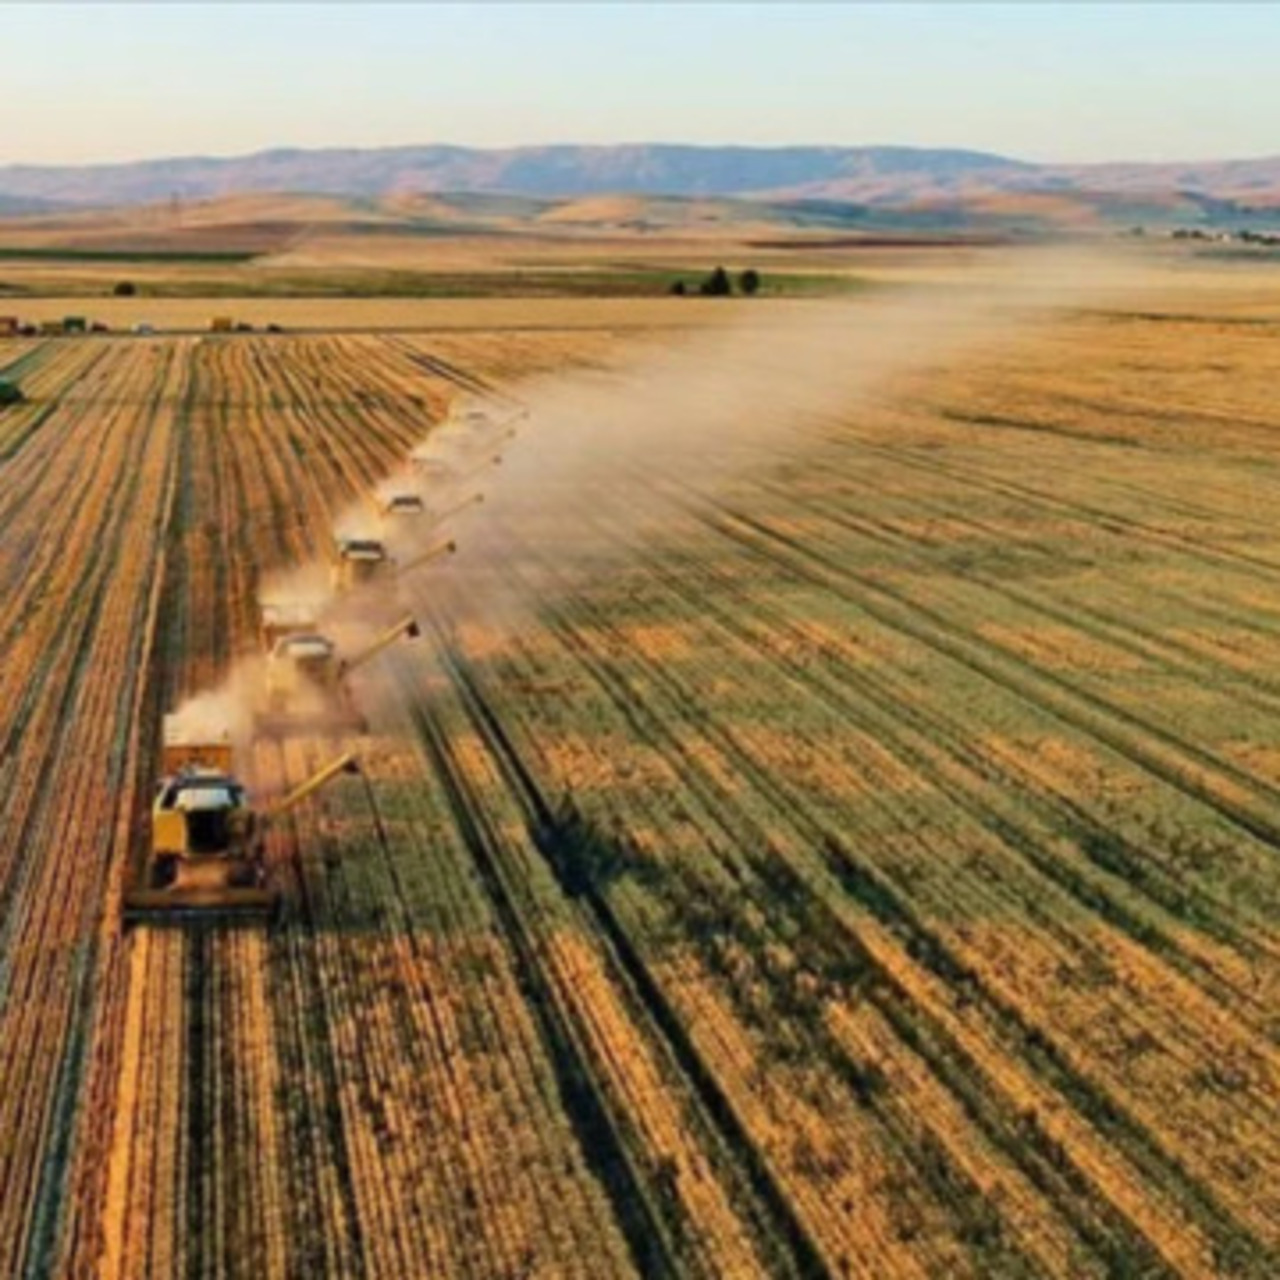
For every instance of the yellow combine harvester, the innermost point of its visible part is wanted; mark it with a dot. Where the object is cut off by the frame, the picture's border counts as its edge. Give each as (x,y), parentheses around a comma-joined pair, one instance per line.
(361,562)
(306,682)
(206,856)
(431,468)
(426,518)
(366,564)
(476,427)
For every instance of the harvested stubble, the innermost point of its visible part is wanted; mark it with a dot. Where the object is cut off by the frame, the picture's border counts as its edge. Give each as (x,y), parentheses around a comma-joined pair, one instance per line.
(878,877)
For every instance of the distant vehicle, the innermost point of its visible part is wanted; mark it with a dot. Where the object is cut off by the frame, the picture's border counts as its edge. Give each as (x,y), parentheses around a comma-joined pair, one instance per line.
(360,563)
(306,683)
(404,504)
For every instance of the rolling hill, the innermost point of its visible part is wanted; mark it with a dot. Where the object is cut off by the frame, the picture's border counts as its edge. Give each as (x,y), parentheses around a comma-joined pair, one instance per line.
(453,190)
(874,176)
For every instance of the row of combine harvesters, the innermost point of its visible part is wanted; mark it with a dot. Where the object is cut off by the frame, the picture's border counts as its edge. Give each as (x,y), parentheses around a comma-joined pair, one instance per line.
(206,855)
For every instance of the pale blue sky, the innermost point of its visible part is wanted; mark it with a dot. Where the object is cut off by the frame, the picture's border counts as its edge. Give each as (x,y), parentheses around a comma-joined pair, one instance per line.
(1039,81)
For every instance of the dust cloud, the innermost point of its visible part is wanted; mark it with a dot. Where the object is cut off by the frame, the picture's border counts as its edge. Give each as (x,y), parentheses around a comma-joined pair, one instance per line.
(523,485)
(632,445)
(224,713)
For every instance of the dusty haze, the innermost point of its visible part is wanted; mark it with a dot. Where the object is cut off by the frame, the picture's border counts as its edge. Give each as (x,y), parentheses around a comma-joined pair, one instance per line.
(668,421)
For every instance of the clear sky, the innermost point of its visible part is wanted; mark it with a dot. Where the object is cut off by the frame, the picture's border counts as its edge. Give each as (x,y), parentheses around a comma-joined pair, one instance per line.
(1038,81)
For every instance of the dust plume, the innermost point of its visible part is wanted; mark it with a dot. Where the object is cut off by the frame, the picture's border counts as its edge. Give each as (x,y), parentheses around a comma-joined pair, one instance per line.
(631,445)
(224,713)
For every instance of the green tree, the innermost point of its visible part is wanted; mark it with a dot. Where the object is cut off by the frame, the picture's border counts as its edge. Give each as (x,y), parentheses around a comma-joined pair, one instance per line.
(717,284)
(749,281)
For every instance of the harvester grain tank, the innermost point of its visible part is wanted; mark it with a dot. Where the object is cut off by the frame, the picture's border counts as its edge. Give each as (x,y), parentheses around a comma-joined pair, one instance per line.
(307,688)
(206,858)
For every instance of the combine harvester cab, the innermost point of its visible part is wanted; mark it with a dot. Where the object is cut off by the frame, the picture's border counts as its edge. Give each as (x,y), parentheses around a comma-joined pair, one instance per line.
(307,690)
(206,857)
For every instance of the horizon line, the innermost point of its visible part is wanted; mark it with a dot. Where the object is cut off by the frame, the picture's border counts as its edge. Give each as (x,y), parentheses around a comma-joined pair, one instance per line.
(286,148)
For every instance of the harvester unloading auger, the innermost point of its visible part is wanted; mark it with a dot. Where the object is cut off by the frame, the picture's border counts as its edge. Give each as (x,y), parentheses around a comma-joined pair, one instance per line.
(206,856)
(306,689)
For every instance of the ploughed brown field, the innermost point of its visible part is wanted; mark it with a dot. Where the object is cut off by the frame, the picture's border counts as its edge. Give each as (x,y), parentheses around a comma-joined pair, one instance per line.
(866,863)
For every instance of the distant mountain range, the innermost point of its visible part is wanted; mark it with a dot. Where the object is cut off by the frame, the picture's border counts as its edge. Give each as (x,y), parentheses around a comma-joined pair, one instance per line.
(971,185)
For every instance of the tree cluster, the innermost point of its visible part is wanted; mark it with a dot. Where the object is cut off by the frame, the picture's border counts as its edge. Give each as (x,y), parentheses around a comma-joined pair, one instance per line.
(719,285)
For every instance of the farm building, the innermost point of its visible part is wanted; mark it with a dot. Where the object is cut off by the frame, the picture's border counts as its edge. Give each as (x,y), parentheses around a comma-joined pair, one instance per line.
(75,324)
(52,328)
(221,324)
(9,326)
